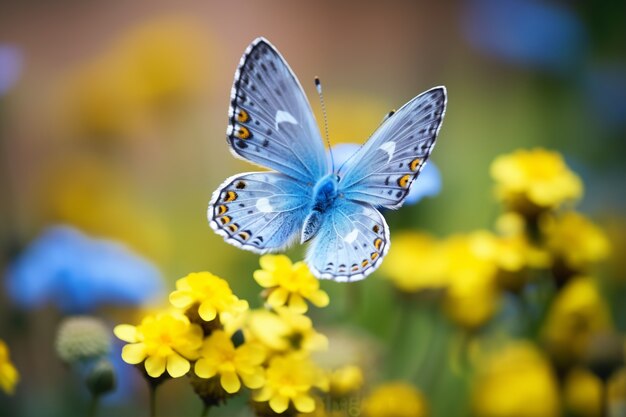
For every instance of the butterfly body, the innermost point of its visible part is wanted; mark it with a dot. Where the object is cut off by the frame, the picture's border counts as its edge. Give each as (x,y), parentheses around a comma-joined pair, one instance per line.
(336,211)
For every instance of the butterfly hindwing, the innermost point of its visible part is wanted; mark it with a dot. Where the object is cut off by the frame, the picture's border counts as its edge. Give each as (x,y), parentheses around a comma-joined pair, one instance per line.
(270,119)
(381,172)
(259,211)
(350,244)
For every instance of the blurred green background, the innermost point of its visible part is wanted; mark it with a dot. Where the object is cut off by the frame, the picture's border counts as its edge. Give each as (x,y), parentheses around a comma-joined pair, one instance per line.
(113,120)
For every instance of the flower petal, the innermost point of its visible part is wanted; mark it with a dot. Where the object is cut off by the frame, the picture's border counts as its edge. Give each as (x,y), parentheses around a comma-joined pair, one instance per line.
(230,382)
(134,353)
(126,332)
(206,311)
(304,403)
(278,297)
(297,304)
(177,366)
(181,299)
(279,403)
(264,278)
(319,298)
(155,366)
(254,380)
(205,369)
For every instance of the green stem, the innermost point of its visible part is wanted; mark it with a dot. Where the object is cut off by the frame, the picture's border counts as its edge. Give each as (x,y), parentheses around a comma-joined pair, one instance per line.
(93,406)
(153,388)
(604,399)
(206,410)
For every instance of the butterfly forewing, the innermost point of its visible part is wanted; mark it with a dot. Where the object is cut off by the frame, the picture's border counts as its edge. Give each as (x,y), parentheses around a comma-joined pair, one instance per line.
(382,171)
(259,211)
(270,119)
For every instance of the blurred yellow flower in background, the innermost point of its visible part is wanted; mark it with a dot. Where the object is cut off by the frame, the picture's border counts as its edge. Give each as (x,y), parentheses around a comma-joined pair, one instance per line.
(165,341)
(395,399)
(9,376)
(472,296)
(345,380)
(574,240)
(162,62)
(289,284)
(93,197)
(284,330)
(416,262)
(582,393)
(577,313)
(290,379)
(516,381)
(532,180)
(219,356)
(211,294)
(360,115)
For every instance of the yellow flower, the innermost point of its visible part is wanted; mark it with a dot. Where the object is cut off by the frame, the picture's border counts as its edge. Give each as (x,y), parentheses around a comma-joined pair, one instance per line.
(577,313)
(416,262)
(582,393)
(165,341)
(289,284)
(345,380)
(532,180)
(8,374)
(284,330)
(395,399)
(211,293)
(517,381)
(157,63)
(472,296)
(91,195)
(574,240)
(289,379)
(219,356)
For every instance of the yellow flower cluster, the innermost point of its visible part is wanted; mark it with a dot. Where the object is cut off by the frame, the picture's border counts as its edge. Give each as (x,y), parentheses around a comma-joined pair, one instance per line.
(155,64)
(213,335)
(470,271)
(289,284)
(9,376)
(534,180)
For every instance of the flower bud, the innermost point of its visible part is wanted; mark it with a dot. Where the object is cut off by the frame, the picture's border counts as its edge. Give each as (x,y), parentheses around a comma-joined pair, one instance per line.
(82,338)
(101,378)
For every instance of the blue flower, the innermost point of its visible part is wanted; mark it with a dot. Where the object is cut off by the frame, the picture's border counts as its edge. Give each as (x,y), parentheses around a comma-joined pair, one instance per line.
(427,185)
(10,67)
(530,33)
(78,273)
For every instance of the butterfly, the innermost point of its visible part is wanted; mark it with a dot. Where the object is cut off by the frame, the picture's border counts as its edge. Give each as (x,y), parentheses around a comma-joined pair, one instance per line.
(270,123)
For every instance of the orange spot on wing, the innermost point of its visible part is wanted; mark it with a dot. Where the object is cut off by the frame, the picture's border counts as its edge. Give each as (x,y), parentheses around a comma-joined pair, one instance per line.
(225,219)
(230,196)
(233,227)
(243,132)
(221,210)
(378,243)
(415,164)
(365,263)
(403,181)
(242,116)
(374,256)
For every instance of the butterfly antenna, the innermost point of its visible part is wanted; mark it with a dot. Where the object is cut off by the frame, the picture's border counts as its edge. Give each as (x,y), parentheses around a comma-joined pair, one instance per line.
(318,87)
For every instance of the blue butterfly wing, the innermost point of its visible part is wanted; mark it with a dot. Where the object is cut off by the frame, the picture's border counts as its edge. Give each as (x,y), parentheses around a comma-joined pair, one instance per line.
(259,211)
(270,118)
(381,172)
(351,242)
